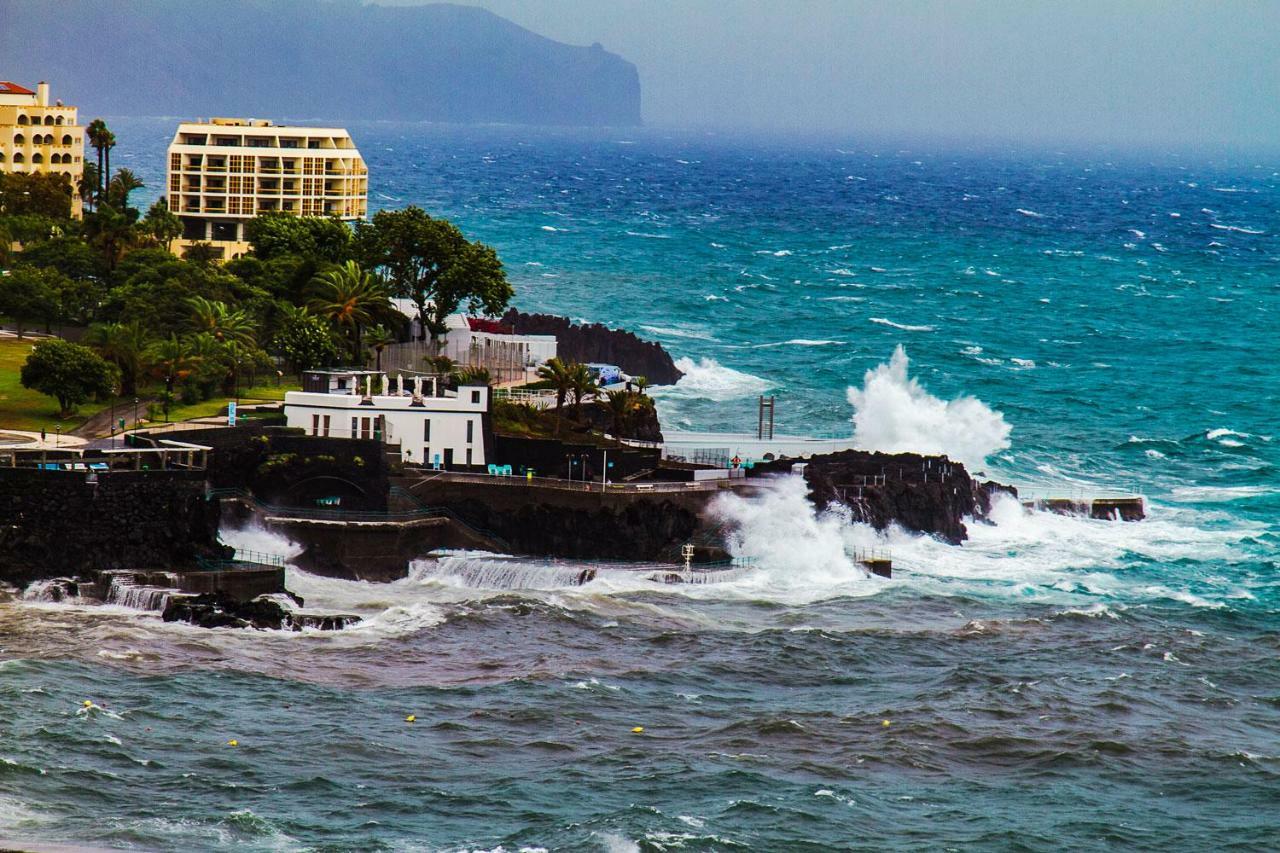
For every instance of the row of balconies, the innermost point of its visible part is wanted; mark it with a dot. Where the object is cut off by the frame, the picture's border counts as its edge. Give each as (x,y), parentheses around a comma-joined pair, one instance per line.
(38,159)
(324,143)
(67,140)
(287,207)
(49,120)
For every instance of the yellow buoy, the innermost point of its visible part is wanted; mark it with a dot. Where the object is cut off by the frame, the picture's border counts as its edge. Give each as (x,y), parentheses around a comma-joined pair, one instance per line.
(885,723)
(233,742)
(638,730)
(412,718)
(88,703)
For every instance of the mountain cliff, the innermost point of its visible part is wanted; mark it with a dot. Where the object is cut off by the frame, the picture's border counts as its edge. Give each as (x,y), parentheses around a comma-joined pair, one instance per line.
(305,59)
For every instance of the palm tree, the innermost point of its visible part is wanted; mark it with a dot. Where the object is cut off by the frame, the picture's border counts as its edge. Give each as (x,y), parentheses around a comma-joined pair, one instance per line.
(350,298)
(557,373)
(124,182)
(108,142)
(621,404)
(224,324)
(111,232)
(87,187)
(582,383)
(97,135)
(377,339)
(171,359)
(126,346)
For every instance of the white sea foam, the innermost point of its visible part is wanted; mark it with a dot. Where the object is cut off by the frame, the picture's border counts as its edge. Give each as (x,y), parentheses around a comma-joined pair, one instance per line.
(697,333)
(551,228)
(1217,494)
(799,342)
(895,414)
(708,379)
(884,321)
(1030,213)
(1239,229)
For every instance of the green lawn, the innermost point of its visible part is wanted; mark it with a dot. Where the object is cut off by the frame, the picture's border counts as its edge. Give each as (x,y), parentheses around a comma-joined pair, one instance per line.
(22,408)
(218,405)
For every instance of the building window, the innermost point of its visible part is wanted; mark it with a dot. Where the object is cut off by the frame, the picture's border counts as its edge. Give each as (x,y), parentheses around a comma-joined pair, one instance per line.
(315,424)
(355,427)
(426,429)
(468,457)
(475,397)
(326,424)
(471,432)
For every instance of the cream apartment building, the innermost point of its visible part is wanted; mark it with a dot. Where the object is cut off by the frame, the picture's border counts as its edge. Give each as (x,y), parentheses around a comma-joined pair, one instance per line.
(226,171)
(36,136)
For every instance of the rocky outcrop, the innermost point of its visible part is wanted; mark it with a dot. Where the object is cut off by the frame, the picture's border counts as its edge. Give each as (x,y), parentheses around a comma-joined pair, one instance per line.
(925,494)
(594,342)
(641,423)
(218,610)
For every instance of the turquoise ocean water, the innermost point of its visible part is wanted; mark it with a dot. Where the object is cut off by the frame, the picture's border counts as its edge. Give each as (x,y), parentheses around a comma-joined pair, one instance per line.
(1054,682)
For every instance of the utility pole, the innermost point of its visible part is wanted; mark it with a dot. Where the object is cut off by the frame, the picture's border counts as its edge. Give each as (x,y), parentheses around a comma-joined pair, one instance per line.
(604,472)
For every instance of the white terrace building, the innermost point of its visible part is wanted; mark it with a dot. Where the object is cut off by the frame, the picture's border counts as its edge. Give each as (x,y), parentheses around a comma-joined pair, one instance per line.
(433,427)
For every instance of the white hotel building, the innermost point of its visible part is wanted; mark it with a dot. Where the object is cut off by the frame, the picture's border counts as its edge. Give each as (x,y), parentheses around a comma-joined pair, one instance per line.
(226,171)
(433,427)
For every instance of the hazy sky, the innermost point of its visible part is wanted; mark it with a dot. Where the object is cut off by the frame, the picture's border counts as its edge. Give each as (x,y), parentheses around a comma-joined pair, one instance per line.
(1120,71)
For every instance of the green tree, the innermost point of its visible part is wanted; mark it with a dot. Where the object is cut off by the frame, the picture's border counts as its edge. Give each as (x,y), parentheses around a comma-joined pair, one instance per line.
(305,341)
(28,294)
(559,374)
(111,232)
(274,235)
(582,384)
(377,339)
(87,186)
(351,299)
(69,373)
(70,256)
(472,375)
(172,360)
(126,345)
(430,262)
(119,190)
(621,405)
(202,254)
(225,324)
(36,194)
(161,225)
(100,138)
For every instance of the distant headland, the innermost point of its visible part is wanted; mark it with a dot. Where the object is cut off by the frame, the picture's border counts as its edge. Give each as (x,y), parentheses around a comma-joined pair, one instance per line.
(304,58)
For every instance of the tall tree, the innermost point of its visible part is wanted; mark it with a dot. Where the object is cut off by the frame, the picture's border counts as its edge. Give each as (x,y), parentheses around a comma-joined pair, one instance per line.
(430,262)
(351,299)
(111,232)
(171,359)
(97,134)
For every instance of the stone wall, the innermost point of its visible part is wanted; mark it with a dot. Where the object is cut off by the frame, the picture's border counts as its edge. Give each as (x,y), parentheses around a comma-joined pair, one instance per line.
(56,523)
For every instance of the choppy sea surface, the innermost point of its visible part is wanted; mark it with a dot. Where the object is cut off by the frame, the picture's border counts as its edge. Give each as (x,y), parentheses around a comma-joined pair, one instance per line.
(1080,320)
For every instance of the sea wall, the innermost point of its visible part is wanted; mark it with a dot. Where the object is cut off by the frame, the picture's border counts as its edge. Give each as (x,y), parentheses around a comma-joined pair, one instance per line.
(598,343)
(572,524)
(550,457)
(55,523)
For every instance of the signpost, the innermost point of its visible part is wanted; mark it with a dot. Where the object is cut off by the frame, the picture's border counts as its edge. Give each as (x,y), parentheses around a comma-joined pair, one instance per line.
(231,413)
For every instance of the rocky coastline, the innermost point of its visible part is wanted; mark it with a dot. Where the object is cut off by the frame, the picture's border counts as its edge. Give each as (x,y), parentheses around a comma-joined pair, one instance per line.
(595,342)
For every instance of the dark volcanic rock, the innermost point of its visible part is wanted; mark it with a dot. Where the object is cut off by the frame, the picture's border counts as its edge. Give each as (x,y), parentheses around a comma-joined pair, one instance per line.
(598,343)
(926,494)
(216,610)
(642,425)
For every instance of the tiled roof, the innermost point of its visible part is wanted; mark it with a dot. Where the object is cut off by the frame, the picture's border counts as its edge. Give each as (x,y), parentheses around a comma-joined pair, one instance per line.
(7,88)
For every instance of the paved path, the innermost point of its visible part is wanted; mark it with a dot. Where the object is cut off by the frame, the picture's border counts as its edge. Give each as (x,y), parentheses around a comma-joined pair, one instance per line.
(51,442)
